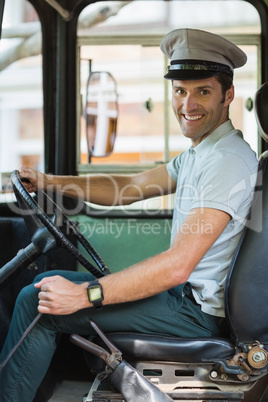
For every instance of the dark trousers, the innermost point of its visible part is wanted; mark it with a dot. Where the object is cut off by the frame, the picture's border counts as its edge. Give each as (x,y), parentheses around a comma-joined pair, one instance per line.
(173,313)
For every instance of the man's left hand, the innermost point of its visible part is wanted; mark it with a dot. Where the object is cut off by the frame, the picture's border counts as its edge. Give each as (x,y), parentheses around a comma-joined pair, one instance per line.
(59,296)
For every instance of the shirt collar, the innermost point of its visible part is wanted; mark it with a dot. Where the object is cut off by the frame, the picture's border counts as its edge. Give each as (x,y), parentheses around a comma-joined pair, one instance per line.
(212,138)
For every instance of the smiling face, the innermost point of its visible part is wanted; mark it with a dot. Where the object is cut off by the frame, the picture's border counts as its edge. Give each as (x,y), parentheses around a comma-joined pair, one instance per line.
(200,106)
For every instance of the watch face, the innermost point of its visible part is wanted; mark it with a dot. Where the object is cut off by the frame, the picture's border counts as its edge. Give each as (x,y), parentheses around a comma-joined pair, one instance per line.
(95,293)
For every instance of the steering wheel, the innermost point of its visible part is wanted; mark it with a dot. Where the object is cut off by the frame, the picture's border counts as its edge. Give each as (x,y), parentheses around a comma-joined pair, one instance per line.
(46,235)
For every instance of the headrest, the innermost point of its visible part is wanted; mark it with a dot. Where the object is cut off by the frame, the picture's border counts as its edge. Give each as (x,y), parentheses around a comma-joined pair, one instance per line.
(261,110)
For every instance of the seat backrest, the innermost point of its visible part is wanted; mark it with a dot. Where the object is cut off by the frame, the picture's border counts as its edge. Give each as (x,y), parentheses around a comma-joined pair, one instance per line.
(246,291)
(261,110)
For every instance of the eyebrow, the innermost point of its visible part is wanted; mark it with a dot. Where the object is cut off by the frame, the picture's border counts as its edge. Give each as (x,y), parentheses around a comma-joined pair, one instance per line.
(198,88)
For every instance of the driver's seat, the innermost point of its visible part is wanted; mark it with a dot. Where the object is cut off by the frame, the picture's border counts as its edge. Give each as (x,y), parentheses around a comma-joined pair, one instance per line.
(217,369)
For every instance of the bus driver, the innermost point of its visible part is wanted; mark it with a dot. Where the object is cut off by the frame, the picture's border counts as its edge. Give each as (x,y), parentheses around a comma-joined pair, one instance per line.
(178,292)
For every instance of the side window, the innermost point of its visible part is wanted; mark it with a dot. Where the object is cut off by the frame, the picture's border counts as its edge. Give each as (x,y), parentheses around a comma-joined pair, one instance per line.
(138,72)
(21,100)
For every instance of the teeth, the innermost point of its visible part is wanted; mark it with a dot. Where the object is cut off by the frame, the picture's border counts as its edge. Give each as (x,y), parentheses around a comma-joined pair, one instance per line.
(196,117)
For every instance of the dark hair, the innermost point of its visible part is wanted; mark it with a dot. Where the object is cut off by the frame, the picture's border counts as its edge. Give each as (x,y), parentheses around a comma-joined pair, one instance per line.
(226,81)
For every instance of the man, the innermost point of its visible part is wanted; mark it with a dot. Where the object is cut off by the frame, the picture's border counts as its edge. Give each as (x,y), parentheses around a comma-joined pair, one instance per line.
(178,292)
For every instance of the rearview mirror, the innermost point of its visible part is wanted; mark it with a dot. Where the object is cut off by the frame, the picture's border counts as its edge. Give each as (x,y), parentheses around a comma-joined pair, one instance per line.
(101,113)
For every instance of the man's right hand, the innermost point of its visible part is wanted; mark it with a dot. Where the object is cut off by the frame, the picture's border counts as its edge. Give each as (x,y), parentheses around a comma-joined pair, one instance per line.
(32,179)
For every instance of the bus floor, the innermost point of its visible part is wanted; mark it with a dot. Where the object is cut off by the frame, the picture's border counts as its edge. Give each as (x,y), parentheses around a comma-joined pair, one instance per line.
(71,391)
(69,378)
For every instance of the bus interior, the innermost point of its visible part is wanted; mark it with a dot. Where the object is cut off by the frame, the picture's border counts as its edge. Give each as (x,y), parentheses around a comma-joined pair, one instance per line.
(82,93)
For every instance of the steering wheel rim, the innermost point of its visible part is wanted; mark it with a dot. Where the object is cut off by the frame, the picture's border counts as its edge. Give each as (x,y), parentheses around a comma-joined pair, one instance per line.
(36,217)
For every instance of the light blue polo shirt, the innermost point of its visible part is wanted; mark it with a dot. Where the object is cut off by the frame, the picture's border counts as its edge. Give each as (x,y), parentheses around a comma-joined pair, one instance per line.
(218,173)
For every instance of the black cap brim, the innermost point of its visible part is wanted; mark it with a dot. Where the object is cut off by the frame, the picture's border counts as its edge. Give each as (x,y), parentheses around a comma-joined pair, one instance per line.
(195,69)
(189,75)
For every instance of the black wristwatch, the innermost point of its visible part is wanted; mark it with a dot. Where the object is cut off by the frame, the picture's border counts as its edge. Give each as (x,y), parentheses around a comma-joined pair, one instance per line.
(95,293)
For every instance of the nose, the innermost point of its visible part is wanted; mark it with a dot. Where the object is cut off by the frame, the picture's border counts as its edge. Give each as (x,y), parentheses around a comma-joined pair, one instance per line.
(189,103)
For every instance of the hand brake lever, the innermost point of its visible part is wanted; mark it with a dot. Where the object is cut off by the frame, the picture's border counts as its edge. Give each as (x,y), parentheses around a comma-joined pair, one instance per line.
(113,359)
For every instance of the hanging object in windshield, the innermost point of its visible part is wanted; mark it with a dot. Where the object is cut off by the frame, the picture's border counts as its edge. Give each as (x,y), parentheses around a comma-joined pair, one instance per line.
(101,113)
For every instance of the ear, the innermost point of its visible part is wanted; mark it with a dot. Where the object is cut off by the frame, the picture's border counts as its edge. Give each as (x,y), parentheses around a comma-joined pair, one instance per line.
(229,96)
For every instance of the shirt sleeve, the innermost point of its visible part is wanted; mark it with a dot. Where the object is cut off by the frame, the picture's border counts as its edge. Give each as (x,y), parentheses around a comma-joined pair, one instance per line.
(173,167)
